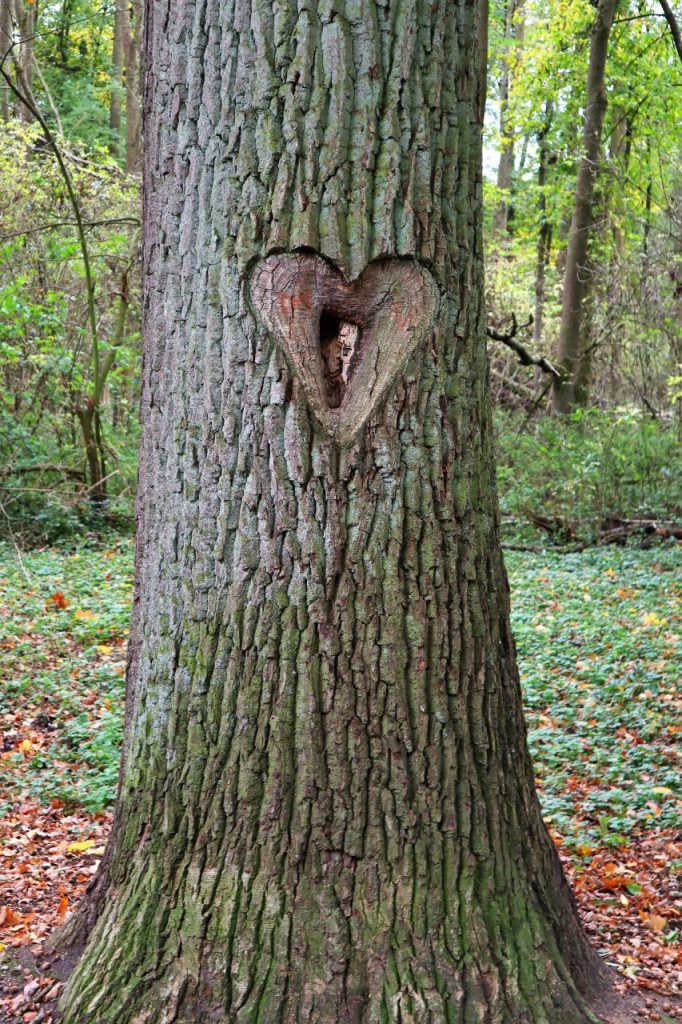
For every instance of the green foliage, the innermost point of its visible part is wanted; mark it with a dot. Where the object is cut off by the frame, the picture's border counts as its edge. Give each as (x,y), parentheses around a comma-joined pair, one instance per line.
(598,643)
(73,45)
(46,357)
(632,322)
(63,666)
(586,470)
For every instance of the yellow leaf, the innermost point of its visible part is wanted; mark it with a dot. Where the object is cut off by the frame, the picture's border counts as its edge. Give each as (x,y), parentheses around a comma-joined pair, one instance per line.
(651,619)
(25,746)
(104,648)
(84,613)
(663,790)
(611,573)
(80,847)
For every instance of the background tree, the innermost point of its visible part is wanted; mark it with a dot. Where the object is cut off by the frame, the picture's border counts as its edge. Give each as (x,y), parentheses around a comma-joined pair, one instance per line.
(572,352)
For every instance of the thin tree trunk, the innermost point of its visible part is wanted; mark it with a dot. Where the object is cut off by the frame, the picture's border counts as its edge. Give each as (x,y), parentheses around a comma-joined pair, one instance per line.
(133,78)
(620,146)
(326,810)
(577,274)
(97,487)
(483,11)
(545,229)
(121,32)
(6,35)
(514,31)
(24,17)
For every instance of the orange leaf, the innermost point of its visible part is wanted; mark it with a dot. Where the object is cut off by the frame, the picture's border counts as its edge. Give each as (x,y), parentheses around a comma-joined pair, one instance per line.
(57,601)
(63,907)
(656,922)
(9,917)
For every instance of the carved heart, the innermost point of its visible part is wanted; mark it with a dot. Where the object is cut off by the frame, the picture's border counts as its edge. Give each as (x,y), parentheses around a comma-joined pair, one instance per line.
(346,341)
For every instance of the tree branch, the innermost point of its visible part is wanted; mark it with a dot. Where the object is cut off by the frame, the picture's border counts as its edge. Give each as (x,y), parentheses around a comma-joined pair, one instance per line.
(673,26)
(525,358)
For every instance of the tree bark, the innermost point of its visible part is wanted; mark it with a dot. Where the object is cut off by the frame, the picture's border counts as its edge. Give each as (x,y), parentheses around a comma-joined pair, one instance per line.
(571,345)
(326,810)
(133,77)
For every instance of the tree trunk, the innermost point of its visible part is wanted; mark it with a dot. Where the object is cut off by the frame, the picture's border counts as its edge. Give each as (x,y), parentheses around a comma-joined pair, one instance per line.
(545,229)
(94,454)
(514,31)
(483,13)
(133,76)
(577,274)
(6,35)
(121,32)
(24,18)
(327,810)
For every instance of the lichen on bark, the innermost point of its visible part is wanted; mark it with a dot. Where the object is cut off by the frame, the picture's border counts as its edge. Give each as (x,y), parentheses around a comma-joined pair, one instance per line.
(327,812)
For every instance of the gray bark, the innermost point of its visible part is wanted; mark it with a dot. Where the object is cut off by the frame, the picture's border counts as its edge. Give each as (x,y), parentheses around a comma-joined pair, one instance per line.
(326,812)
(572,352)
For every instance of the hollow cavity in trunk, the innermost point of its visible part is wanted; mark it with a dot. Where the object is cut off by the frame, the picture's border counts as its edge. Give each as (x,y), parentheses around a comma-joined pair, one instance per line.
(339,342)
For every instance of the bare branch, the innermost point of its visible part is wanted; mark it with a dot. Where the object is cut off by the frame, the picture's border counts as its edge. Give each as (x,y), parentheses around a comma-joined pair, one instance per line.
(525,358)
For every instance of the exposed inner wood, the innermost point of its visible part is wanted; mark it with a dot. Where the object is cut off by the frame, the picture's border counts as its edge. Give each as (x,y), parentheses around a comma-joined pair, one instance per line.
(339,341)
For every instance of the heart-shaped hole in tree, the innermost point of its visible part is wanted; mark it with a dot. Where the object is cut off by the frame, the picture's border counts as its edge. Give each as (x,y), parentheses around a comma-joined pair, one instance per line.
(346,341)
(339,344)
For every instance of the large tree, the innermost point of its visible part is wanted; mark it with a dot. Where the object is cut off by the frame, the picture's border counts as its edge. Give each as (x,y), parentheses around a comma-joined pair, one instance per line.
(327,811)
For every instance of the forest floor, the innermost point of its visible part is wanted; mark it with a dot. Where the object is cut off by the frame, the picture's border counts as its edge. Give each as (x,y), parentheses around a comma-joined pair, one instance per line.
(599,637)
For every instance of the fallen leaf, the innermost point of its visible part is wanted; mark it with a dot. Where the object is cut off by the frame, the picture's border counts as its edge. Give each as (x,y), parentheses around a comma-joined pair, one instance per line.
(80,847)
(8,917)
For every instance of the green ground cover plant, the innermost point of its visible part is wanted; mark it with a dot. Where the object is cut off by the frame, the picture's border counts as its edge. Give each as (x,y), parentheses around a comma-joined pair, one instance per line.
(598,634)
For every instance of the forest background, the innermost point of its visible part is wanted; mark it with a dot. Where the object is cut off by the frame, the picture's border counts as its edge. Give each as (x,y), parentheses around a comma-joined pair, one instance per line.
(590,484)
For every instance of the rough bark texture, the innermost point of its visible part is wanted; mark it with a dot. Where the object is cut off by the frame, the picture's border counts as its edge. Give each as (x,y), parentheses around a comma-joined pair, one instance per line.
(571,344)
(327,812)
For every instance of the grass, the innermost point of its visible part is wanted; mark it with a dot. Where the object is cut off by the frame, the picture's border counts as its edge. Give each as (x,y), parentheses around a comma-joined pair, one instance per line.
(598,638)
